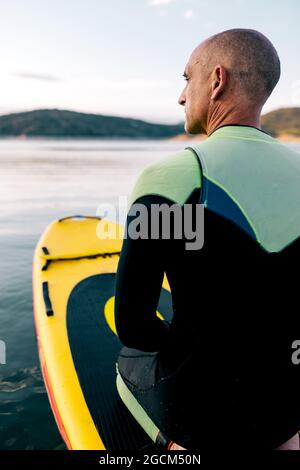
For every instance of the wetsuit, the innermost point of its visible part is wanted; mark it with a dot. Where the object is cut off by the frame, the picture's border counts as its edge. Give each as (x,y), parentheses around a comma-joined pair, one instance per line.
(224,365)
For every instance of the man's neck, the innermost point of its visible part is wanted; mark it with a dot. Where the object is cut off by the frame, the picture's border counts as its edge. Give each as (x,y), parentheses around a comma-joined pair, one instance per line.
(221,117)
(252,123)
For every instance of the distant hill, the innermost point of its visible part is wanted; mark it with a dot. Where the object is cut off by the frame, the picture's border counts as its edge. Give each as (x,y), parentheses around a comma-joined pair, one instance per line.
(282,121)
(61,123)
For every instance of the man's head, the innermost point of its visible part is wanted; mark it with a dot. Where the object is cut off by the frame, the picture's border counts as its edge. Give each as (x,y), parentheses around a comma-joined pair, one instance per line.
(230,74)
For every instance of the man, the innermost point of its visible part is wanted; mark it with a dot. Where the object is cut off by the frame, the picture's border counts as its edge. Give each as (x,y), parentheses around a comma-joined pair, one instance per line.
(222,373)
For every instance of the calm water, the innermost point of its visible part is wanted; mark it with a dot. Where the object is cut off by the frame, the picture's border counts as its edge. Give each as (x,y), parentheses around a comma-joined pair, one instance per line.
(42,180)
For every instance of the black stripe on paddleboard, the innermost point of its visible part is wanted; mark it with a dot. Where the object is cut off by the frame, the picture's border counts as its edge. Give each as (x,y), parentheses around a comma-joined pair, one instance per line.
(95,349)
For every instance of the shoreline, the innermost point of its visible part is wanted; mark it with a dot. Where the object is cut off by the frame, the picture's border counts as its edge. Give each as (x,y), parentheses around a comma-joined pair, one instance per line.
(198,138)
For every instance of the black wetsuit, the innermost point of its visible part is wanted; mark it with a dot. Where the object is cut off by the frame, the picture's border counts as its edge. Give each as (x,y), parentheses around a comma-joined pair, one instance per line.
(223,367)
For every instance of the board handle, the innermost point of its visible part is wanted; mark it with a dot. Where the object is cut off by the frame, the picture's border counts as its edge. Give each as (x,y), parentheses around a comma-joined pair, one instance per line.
(47,301)
(80,217)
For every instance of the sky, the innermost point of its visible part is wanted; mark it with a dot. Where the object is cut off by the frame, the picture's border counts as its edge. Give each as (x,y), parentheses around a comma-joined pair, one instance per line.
(126,57)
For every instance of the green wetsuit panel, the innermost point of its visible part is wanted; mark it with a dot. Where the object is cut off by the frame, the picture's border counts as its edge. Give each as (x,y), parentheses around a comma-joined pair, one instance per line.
(174,177)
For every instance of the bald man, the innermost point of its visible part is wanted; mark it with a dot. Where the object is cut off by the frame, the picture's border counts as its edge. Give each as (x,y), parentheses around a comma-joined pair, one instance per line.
(224,371)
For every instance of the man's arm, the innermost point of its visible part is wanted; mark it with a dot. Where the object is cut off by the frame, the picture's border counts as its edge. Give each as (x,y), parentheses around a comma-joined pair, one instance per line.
(176,179)
(138,285)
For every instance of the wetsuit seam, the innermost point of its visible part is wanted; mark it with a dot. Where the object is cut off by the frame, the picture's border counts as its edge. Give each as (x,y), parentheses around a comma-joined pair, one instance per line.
(203,170)
(155,194)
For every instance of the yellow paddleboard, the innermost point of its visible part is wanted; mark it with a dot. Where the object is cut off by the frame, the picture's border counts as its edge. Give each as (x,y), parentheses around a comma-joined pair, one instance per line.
(74,268)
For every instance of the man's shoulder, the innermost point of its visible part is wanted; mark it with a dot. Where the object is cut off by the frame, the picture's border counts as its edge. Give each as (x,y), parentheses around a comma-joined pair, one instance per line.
(173,177)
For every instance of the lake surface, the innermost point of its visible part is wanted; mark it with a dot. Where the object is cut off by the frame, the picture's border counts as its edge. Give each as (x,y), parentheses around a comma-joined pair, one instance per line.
(40,181)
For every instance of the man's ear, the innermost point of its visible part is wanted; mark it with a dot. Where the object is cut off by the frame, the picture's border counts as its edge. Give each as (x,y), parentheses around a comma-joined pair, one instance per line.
(218,81)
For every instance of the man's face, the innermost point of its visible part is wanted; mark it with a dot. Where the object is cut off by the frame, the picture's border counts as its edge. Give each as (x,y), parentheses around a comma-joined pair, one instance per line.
(195,96)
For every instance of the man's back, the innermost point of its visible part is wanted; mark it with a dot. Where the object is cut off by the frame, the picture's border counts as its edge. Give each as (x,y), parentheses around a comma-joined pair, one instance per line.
(234,299)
